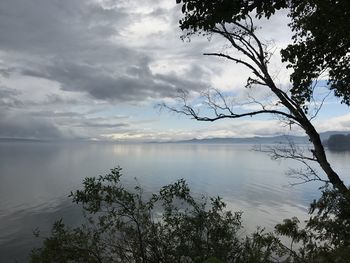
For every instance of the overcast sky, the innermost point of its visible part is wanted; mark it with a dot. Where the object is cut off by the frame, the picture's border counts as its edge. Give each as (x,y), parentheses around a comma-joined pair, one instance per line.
(96,69)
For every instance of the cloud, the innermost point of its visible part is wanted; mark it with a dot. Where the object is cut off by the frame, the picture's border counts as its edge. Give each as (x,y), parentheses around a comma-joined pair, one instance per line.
(58,125)
(27,127)
(339,123)
(8,97)
(136,83)
(55,27)
(84,47)
(71,68)
(68,67)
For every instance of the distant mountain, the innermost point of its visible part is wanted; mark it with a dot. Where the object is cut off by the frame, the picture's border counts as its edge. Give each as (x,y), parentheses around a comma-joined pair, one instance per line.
(325,135)
(248,140)
(261,140)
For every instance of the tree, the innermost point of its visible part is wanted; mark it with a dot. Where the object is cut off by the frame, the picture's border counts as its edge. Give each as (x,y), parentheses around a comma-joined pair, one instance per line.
(326,235)
(129,226)
(321,39)
(321,46)
(231,20)
(174,226)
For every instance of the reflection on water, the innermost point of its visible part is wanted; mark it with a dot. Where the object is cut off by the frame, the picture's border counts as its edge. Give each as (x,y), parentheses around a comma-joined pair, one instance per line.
(36,178)
(17,238)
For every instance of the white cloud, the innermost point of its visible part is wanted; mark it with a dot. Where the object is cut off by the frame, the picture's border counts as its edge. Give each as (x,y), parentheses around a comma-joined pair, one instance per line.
(339,123)
(72,68)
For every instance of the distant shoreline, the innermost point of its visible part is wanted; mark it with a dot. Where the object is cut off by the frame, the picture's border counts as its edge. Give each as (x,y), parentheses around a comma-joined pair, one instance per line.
(232,140)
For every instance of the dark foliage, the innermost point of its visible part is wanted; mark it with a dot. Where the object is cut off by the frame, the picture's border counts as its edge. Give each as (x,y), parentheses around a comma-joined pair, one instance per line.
(321,39)
(321,45)
(128,226)
(173,226)
(203,15)
(326,236)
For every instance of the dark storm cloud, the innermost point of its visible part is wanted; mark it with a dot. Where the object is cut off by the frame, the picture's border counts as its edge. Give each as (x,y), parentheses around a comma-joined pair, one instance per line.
(136,83)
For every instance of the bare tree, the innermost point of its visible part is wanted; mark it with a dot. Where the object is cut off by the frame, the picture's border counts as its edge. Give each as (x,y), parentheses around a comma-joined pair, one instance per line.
(255,56)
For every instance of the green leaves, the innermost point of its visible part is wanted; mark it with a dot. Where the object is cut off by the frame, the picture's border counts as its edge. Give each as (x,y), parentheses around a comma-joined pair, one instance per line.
(175,226)
(321,44)
(321,37)
(325,238)
(203,15)
(131,226)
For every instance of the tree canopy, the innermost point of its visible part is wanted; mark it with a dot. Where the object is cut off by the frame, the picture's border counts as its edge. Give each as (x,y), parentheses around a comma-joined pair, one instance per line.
(317,52)
(321,47)
(203,15)
(321,42)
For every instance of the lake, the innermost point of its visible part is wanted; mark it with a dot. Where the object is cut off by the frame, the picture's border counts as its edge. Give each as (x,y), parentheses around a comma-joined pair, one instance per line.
(37,177)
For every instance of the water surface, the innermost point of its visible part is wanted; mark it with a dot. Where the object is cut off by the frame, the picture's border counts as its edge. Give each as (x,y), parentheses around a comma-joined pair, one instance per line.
(36,178)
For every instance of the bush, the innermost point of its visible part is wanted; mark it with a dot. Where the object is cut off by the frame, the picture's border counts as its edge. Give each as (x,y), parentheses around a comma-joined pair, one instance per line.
(174,226)
(125,226)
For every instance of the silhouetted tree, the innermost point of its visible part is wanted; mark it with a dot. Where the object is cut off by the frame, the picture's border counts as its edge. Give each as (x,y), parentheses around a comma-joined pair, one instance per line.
(174,226)
(129,226)
(309,56)
(321,45)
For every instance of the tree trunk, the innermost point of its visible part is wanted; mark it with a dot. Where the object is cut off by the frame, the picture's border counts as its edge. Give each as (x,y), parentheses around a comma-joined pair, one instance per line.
(314,137)
(321,157)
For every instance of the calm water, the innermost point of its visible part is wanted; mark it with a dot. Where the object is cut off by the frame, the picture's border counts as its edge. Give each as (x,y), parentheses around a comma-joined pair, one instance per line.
(36,178)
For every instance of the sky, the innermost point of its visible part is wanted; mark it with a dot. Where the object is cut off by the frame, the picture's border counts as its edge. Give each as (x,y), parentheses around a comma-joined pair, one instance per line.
(99,69)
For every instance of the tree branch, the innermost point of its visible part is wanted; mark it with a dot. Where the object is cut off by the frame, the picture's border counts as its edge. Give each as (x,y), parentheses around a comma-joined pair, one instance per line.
(239,61)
